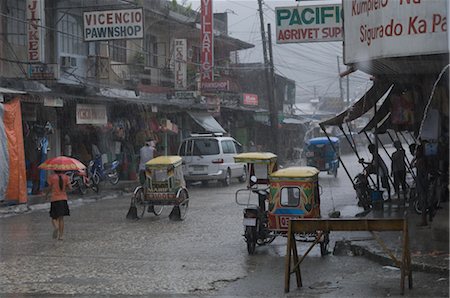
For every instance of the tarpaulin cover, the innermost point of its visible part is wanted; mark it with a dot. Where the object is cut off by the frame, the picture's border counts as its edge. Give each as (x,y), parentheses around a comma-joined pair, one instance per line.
(380,116)
(207,121)
(365,103)
(12,155)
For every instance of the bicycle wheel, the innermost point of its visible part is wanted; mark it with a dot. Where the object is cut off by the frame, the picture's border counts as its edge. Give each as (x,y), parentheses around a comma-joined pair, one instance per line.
(139,202)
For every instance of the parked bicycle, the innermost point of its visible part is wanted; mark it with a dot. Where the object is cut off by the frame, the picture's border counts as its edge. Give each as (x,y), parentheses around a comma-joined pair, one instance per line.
(434,194)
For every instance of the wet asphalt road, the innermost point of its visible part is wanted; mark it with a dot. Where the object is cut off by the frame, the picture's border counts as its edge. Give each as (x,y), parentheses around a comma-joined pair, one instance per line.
(105,254)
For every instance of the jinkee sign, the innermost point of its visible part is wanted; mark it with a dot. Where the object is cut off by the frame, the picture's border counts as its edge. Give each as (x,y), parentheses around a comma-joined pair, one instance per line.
(113,24)
(310,23)
(207,38)
(35,27)
(386,28)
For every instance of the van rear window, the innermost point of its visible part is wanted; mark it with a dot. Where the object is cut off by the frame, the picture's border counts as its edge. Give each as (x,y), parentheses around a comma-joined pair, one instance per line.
(206,147)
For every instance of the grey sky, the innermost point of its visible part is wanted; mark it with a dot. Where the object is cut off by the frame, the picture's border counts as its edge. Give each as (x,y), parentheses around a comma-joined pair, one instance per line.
(313,66)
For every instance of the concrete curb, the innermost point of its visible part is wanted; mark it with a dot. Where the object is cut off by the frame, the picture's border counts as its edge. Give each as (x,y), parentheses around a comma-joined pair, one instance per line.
(382,259)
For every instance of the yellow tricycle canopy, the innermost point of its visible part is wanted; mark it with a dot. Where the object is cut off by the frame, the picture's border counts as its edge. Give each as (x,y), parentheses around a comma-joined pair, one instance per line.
(255,157)
(295,172)
(164,161)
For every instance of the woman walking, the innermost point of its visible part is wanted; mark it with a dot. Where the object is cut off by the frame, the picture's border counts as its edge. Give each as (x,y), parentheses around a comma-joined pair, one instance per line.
(58,183)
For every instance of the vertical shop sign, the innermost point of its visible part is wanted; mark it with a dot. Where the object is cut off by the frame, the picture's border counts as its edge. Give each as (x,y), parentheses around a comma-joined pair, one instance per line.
(207,37)
(35,18)
(180,64)
(91,114)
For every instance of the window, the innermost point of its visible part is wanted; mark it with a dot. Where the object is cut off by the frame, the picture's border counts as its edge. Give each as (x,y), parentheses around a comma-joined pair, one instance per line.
(290,196)
(228,147)
(16,28)
(118,50)
(239,148)
(71,35)
(151,50)
(206,147)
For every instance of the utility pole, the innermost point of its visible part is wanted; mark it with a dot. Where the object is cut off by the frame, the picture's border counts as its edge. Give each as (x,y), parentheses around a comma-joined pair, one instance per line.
(273,124)
(273,107)
(348,90)
(340,80)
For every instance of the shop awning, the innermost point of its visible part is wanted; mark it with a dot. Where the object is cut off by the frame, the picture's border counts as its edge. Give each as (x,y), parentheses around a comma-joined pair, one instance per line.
(10,91)
(207,121)
(365,103)
(380,116)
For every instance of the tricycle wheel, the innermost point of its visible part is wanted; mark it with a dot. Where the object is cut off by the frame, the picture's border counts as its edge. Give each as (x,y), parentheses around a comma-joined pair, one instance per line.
(158,209)
(250,237)
(324,244)
(139,199)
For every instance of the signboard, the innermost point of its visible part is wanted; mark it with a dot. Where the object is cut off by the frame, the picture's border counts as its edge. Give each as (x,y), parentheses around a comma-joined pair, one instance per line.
(384,29)
(113,24)
(207,38)
(186,94)
(35,30)
(43,71)
(250,99)
(309,23)
(53,102)
(180,66)
(91,114)
(216,86)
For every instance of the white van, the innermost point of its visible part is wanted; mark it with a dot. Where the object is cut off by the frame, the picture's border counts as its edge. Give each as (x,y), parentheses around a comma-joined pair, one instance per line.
(210,157)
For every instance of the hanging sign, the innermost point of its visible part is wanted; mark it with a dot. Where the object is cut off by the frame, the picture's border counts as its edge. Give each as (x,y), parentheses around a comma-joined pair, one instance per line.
(401,28)
(91,114)
(207,38)
(180,69)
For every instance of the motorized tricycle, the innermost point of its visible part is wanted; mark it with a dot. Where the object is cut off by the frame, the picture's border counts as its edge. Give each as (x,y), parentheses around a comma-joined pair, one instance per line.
(323,154)
(282,195)
(164,186)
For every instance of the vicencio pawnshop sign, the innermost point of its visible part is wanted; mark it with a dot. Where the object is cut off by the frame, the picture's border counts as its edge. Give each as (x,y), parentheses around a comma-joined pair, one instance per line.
(310,23)
(113,24)
(376,29)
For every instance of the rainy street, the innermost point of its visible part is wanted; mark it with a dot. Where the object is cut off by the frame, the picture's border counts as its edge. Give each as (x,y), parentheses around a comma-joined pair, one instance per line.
(103,253)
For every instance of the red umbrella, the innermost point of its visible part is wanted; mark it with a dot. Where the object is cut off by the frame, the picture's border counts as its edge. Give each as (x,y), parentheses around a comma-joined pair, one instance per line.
(62,163)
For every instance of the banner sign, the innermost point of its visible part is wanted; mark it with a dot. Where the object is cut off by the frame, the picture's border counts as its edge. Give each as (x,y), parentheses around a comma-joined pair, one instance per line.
(216,86)
(309,23)
(180,66)
(113,24)
(384,29)
(250,99)
(207,38)
(35,30)
(91,114)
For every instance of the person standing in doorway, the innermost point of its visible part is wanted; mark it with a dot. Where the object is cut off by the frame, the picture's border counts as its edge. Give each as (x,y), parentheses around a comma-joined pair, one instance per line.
(398,169)
(58,183)
(146,153)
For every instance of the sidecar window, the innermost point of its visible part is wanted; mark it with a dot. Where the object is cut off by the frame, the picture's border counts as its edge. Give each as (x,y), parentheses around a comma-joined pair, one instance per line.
(290,196)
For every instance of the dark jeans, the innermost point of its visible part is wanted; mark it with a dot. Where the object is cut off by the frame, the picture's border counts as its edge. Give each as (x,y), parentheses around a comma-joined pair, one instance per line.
(399,179)
(142,177)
